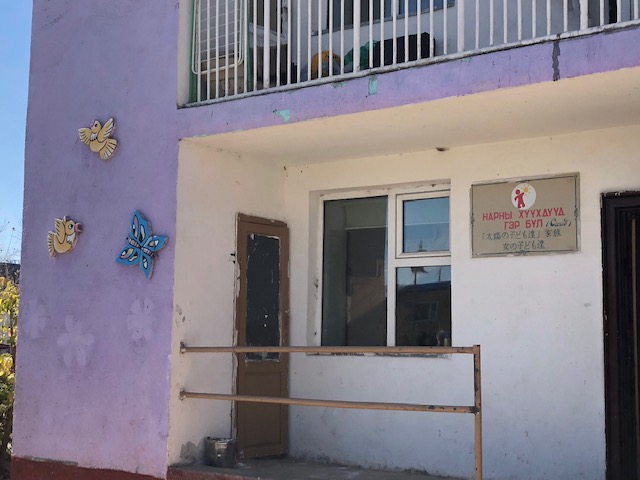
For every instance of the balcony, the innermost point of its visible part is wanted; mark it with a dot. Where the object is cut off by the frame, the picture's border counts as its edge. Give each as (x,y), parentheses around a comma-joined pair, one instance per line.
(249,47)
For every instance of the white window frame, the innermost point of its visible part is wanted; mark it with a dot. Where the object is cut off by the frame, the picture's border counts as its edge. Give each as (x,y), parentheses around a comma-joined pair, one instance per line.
(395,257)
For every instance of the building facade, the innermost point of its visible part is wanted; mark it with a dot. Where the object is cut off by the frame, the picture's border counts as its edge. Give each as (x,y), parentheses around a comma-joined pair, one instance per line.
(316,194)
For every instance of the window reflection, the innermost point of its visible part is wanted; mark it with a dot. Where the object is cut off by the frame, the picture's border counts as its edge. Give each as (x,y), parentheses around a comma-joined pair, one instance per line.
(425,225)
(423,306)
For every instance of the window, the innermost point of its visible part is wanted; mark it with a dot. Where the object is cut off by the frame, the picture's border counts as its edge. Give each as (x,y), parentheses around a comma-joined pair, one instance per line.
(386,270)
(219,27)
(377,4)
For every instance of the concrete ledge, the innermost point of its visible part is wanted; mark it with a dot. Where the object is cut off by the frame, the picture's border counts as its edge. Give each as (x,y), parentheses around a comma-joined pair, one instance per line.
(289,469)
(31,469)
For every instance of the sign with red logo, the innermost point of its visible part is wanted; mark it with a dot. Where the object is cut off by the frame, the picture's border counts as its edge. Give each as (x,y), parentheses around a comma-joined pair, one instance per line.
(526,216)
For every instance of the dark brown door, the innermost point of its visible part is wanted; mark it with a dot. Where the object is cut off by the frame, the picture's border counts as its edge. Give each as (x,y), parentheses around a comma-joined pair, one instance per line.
(262,319)
(621,249)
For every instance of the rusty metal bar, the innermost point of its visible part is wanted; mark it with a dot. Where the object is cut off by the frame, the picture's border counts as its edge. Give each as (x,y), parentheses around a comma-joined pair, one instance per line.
(343,350)
(476,409)
(313,402)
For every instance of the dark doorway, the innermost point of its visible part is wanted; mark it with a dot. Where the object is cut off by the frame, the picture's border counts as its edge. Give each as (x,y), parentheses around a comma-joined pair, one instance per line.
(621,257)
(262,320)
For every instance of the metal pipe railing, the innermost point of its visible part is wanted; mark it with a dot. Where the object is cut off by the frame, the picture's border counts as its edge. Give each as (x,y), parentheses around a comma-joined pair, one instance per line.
(476,409)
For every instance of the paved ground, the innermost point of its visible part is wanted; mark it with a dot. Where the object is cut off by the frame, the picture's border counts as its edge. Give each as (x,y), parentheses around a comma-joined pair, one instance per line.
(289,469)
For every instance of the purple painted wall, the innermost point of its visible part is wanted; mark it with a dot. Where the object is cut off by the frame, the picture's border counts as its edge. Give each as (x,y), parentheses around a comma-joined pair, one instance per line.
(94,350)
(92,390)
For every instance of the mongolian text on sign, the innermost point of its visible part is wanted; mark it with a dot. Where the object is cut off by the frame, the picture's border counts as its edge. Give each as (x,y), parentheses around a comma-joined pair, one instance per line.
(529,216)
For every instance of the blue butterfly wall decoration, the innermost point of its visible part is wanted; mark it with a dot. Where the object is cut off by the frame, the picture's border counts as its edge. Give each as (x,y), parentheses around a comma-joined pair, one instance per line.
(142,246)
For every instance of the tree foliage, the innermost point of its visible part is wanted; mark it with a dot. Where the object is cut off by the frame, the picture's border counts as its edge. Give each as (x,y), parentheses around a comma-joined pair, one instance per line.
(9,308)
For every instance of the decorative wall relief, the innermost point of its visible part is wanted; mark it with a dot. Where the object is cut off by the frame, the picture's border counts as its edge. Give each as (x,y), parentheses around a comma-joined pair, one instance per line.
(142,246)
(65,237)
(75,344)
(34,321)
(97,136)
(140,320)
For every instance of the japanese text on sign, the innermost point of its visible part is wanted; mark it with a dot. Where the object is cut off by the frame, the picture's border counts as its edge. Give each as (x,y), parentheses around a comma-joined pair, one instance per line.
(532,216)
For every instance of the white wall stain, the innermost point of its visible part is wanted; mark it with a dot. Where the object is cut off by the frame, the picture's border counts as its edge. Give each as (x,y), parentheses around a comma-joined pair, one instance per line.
(140,321)
(35,319)
(75,344)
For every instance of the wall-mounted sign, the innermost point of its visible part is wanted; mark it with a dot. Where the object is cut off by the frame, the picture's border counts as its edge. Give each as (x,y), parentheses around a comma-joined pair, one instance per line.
(526,216)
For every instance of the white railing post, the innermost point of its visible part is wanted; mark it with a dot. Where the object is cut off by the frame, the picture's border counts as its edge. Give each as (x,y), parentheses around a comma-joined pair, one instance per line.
(217,47)
(356,35)
(330,8)
(198,51)
(519,20)
(278,20)
(319,39)
(266,46)
(477,24)
(505,20)
(584,14)
(406,29)
(298,39)
(491,23)
(309,6)
(534,19)
(370,63)
(460,25)
(245,46)
(255,45)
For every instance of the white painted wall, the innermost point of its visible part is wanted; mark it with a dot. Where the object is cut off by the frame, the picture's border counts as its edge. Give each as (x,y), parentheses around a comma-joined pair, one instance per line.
(213,186)
(538,318)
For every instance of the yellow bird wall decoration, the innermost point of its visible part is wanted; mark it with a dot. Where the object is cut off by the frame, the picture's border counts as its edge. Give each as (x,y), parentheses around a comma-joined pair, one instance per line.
(97,136)
(65,237)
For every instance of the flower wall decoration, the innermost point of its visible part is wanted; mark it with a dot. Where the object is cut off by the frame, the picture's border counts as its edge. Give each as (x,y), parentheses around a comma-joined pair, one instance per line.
(74,343)
(140,320)
(34,321)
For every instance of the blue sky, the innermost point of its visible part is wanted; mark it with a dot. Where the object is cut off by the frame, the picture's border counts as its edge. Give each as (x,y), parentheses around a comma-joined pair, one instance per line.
(15,38)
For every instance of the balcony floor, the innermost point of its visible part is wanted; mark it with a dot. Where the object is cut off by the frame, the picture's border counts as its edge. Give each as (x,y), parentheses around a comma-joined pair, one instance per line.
(289,469)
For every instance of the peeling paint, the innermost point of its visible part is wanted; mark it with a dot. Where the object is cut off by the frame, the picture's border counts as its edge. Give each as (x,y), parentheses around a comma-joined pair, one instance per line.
(555,60)
(373,85)
(285,114)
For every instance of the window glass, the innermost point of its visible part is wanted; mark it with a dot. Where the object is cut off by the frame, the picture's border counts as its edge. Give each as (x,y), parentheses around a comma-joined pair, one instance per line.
(263,294)
(425,225)
(354,299)
(423,306)
(364,9)
(348,12)
(425,4)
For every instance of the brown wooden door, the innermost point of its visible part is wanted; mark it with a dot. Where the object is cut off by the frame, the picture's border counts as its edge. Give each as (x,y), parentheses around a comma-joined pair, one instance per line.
(621,237)
(262,319)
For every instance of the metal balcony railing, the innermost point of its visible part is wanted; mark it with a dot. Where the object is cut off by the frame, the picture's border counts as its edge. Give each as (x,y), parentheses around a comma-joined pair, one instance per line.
(243,47)
(475,409)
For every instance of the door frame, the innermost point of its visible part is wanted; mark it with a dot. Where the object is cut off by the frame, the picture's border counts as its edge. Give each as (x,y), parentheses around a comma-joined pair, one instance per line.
(244,222)
(617,285)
